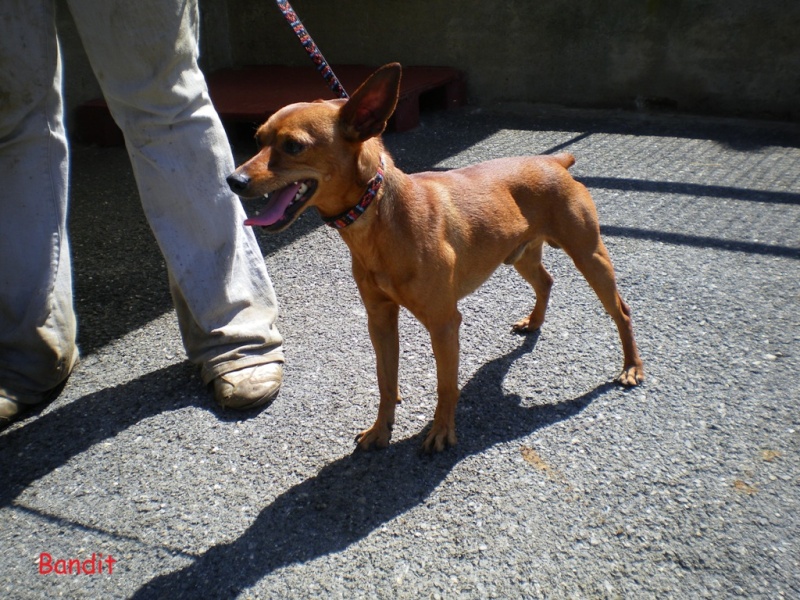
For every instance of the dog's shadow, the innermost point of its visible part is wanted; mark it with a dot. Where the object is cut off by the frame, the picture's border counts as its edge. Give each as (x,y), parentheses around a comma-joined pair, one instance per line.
(358,493)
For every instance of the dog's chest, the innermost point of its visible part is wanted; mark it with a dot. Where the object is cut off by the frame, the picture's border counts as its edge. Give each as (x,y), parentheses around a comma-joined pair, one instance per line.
(391,273)
(384,283)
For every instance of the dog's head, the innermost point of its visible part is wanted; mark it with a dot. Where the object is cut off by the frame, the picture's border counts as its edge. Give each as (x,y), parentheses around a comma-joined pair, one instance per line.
(318,153)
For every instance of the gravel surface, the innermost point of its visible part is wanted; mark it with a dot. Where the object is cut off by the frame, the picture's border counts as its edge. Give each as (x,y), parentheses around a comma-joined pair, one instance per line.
(563,485)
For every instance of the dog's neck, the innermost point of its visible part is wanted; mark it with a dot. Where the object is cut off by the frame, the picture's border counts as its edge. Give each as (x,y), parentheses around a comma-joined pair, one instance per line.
(351,215)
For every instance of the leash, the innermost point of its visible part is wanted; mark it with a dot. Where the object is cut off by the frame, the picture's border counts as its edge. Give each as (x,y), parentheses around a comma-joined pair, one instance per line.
(311,48)
(347,218)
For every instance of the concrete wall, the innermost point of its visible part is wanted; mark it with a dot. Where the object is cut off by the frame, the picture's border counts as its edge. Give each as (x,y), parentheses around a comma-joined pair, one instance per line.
(729,57)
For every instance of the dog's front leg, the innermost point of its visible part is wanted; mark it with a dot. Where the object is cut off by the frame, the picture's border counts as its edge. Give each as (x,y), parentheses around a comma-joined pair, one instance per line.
(382,317)
(444,339)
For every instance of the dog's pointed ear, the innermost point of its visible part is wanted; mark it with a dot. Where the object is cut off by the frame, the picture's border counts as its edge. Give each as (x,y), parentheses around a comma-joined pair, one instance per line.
(366,112)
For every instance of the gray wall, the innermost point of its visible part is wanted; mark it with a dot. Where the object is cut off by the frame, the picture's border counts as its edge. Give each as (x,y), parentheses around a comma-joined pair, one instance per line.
(728,57)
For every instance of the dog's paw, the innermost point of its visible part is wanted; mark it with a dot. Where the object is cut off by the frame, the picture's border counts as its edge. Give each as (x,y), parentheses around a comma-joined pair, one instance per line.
(631,376)
(525,326)
(439,438)
(377,436)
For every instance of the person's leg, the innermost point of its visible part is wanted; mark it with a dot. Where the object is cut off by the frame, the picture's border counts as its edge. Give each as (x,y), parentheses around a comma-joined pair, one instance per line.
(145,57)
(37,320)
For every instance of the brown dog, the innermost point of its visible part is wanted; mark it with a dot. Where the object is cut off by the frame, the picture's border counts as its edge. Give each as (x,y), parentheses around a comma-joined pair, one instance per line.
(425,241)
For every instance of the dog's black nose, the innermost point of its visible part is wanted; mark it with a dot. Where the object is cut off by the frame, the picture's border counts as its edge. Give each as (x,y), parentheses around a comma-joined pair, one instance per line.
(238,182)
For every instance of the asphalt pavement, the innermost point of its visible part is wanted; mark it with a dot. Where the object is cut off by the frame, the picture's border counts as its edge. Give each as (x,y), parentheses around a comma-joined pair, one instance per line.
(563,485)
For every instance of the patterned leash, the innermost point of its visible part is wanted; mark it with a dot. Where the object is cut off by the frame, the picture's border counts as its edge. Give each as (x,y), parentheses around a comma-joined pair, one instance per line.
(311,48)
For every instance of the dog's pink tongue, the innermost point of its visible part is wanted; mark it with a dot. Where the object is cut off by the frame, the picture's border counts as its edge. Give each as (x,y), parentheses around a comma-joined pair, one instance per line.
(276,207)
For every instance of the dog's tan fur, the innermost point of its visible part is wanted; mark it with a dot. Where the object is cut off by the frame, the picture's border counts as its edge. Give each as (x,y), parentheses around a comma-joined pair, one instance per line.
(429,239)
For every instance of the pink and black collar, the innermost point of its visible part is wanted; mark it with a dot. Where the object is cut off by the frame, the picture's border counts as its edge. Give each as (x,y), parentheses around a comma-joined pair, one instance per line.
(349,217)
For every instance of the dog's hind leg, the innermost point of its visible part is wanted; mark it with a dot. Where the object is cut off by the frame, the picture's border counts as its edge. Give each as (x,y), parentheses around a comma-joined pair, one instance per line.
(591,257)
(529,265)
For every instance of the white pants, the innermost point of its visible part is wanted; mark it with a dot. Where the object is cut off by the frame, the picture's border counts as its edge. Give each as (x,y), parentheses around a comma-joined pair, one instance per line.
(144,54)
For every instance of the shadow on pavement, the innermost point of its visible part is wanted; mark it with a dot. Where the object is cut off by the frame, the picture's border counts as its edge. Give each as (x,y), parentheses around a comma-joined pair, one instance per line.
(49,441)
(701,241)
(351,497)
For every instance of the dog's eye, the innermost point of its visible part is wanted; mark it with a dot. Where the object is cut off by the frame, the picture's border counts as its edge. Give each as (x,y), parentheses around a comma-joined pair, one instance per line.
(293,147)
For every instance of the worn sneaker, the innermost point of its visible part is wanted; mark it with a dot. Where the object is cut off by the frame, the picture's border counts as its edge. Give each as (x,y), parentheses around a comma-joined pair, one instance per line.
(249,387)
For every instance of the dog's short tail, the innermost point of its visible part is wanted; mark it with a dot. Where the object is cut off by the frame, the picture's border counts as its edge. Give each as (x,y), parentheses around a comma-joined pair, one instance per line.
(565,159)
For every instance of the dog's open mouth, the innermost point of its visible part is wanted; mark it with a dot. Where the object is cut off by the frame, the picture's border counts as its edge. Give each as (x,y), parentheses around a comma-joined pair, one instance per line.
(283,205)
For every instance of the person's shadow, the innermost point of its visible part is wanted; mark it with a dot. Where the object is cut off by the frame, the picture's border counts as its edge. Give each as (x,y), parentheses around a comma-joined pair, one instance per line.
(358,493)
(50,440)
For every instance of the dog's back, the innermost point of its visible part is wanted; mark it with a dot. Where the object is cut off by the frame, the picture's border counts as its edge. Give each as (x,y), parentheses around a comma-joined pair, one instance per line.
(504,198)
